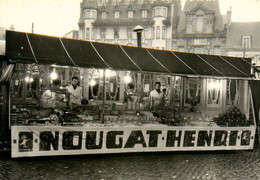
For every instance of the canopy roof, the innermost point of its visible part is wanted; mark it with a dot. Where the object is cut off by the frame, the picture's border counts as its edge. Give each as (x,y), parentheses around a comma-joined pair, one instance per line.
(33,48)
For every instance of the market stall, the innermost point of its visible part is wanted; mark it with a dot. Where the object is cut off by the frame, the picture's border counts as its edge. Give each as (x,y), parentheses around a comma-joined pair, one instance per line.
(206,99)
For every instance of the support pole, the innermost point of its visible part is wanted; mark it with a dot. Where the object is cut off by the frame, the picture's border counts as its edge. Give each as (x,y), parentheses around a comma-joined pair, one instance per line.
(104,96)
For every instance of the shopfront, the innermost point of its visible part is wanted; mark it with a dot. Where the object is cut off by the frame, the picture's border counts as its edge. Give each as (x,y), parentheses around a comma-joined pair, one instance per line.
(206,99)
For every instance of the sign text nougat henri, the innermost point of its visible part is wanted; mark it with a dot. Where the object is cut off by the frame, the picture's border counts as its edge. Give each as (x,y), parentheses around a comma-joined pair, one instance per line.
(130,139)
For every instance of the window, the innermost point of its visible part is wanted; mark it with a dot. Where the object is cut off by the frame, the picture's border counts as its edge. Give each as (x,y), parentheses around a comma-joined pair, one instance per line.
(153,34)
(164,12)
(158,32)
(103,34)
(93,34)
(90,14)
(217,50)
(199,49)
(199,23)
(160,11)
(157,12)
(129,33)
(246,42)
(181,48)
(163,32)
(93,14)
(144,33)
(200,41)
(116,33)
(104,15)
(87,33)
(130,14)
(117,14)
(87,14)
(144,13)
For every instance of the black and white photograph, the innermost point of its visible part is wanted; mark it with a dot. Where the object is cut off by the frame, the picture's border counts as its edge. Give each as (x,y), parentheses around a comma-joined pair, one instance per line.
(130,89)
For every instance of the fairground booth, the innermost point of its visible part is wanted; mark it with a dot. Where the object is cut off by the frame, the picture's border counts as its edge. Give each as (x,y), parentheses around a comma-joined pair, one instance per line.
(207,101)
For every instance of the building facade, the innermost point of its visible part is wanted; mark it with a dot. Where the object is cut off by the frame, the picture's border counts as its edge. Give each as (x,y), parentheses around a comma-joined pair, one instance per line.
(114,21)
(201,28)
(243,40)
(198,28)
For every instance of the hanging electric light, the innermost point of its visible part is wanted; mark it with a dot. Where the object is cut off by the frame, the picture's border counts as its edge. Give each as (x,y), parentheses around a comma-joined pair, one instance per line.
(92,82)
(54,74)
(128,78)
(27,78)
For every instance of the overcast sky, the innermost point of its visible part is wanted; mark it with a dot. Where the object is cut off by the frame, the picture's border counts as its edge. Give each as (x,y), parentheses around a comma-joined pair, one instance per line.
(58,17)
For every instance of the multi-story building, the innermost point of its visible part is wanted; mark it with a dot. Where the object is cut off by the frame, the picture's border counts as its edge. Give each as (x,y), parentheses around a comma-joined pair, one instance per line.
(201,28)
(243,40)
(113,21)
(198,28)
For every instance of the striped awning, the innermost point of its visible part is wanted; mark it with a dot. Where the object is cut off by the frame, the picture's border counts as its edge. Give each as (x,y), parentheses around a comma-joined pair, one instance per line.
(41,49)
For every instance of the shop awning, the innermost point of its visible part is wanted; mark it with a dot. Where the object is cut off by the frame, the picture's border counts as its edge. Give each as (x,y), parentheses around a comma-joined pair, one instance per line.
(33,48)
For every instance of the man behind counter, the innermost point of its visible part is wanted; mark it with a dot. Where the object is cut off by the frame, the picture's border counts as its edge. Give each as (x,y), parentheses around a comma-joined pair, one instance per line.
(157,97)
(75,92)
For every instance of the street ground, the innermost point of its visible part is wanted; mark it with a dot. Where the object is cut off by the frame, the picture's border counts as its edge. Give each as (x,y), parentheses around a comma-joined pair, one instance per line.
(219,165)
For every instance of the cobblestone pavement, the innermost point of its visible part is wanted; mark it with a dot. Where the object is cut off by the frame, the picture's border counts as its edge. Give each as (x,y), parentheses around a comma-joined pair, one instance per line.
(223,165)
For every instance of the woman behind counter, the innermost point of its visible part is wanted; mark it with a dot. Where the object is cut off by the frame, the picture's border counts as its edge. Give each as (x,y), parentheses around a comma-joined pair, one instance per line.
(75,92)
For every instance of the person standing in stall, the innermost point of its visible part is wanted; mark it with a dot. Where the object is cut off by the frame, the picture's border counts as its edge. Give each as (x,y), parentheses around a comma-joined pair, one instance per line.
(75,92)
(157,97)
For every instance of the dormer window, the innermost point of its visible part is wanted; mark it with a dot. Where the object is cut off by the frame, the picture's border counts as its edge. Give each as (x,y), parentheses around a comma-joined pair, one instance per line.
(130,14)
(104,15)
(199,23)
(117,14)
(200,20)
(246,42)
(144,13)
(90,14)
(160,12)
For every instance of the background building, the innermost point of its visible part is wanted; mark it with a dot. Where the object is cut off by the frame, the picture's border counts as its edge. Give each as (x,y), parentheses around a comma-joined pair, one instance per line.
(243,40)
(198,28)
(201,28)
(113,21)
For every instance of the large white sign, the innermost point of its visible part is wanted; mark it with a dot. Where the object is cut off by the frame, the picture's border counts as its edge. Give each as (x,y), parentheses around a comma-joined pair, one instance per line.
(51,140)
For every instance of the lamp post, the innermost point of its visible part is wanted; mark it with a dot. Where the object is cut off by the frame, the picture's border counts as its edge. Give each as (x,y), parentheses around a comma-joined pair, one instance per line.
(138,29)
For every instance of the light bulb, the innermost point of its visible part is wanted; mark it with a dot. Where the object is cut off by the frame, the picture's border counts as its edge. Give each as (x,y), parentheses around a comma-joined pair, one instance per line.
(128,79)
(92,82)
(27,79)
(54,75)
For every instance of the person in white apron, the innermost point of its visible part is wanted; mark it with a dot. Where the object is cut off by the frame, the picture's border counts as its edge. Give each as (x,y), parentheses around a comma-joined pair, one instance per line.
(75,92)
(157,97)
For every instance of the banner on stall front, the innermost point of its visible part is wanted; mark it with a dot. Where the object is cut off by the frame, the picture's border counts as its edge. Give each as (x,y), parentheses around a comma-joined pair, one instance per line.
(51,140)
